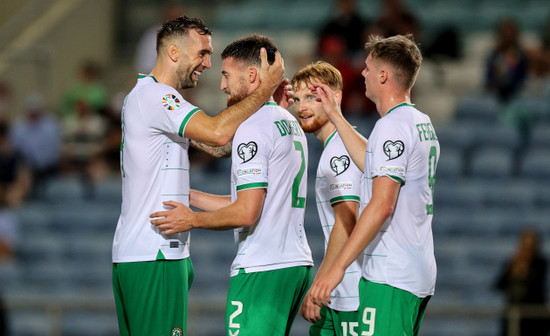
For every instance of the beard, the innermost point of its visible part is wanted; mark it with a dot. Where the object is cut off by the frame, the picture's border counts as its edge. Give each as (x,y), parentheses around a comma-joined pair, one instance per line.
(185,78)
(234,98)
(314,123)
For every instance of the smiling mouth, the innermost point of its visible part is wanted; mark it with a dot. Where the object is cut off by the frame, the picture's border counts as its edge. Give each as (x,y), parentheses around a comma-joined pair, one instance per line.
(306,117)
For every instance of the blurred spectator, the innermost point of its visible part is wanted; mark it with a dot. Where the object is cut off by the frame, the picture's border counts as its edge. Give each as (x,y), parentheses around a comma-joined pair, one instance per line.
(105,160)
(347,25)
(37,136)
(146,52)
(15,180)
(82,137)
(340,39)
(539,57)
(87,90)
(506,67)
(523,282)
(5,101)
(395,19)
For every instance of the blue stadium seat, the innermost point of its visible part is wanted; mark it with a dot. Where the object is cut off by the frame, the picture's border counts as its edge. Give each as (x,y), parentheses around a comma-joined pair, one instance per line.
(491,162)
(483,109)
(536,164)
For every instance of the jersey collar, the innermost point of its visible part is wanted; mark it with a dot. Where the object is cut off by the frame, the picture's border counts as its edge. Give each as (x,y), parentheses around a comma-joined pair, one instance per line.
(144,76)
(397,106)
(330,137)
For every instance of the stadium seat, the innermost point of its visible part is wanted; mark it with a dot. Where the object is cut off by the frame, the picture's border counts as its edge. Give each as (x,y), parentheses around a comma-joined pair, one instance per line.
(491,162)
(535,164)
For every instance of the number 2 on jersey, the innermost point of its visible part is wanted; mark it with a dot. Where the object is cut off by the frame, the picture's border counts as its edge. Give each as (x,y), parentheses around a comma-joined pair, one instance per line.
(298,202)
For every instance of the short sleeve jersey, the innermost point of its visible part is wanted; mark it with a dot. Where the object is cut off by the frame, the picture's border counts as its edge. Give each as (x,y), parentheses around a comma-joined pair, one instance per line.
(338,180)
(270,152)
(404,147)
(155,168)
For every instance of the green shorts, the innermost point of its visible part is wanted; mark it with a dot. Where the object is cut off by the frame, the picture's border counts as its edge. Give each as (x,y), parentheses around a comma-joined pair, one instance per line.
(151,296)
(388,311)
(265,303)
(335,323)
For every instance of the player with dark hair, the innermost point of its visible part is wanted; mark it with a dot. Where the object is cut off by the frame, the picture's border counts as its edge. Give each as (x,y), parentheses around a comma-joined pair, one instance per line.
(152,271)
(337,189)
(272,269)
(394,229)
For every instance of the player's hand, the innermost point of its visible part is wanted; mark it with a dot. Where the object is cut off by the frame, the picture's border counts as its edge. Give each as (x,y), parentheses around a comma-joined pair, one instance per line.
(327,98)
(324,284)
(283,96)
(310,311)
(271,75)
(178,219)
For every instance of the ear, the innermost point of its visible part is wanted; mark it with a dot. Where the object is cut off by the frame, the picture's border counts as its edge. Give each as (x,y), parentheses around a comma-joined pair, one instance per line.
(252,74)
(338,96)
(383,75)
(173,52)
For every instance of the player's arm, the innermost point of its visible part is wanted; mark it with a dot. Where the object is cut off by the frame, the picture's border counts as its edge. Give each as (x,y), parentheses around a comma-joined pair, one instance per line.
(345,214)
(245,211)
(208,202)
(219,152)
(378,210)
(355,143)
(219,130)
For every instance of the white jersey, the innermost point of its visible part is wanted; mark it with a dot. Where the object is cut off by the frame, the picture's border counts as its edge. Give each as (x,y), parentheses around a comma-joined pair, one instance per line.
(338,180)
(270,151)
(154,168)
(403,146)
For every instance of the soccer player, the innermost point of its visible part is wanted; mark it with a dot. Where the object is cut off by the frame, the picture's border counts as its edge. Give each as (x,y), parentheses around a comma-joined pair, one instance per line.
(272,270)
(337,189)
(152,271)
(394,229)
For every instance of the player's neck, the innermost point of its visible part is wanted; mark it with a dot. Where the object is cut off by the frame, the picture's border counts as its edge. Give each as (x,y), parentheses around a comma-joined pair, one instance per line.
(391,100)
(323,133)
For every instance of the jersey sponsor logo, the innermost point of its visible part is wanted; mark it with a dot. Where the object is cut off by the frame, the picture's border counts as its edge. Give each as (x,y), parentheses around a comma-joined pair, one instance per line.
(247,151)
(174,244)
(170,102)
(176,331)
(339,164)
(394,171)
(341,186)
(394,149)
(249,171)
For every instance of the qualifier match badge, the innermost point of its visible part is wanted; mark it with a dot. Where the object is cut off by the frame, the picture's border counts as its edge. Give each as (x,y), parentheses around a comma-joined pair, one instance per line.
(177,331)
(170,102)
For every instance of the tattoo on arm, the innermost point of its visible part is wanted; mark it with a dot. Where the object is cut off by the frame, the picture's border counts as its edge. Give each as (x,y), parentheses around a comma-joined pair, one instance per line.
(219,152)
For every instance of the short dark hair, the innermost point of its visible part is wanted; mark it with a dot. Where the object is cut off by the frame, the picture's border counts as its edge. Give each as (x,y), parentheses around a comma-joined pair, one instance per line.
(180,26)
(247,49)
(401,52)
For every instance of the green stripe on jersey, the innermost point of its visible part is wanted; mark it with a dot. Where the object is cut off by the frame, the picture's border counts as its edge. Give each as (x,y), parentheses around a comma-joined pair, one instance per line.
(252,185)
(186,119)
(344,198)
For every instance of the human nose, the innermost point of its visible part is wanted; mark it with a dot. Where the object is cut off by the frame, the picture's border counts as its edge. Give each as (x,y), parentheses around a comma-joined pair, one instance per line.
(207,61)
(223,84)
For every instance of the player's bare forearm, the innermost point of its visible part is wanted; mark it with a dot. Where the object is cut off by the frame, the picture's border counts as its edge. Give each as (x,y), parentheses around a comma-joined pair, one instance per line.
(219,130)
(208,202)
(380,207)
(355,143)
(218,152)
(244,212)
(345,214)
